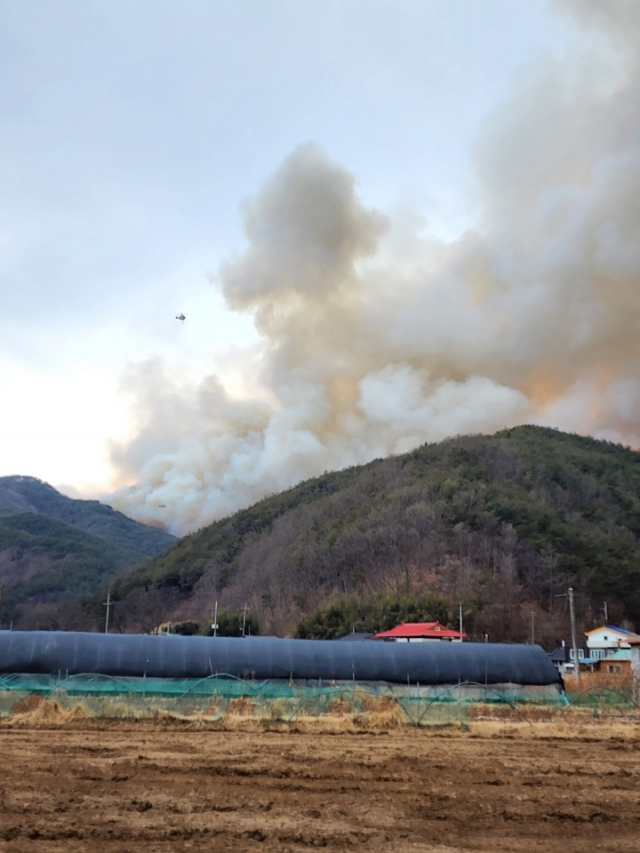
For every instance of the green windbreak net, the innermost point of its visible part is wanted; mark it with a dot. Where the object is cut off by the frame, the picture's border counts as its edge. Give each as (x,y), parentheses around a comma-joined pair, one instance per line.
(220,697)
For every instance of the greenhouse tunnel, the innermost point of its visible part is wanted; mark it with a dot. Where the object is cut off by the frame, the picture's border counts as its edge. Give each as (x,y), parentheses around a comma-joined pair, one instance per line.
(267,658)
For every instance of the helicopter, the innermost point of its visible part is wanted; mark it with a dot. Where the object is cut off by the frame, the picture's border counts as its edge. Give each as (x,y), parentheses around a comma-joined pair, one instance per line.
(181,317)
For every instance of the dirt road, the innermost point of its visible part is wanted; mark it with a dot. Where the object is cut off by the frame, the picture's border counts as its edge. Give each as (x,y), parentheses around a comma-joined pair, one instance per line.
(155,788)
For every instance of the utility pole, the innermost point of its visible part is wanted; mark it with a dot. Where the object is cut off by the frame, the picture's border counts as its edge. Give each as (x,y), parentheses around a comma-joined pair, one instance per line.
(606,613)
(574,641)
(533,628)
(460,616)
(107,604)
(214,623)
(244,617)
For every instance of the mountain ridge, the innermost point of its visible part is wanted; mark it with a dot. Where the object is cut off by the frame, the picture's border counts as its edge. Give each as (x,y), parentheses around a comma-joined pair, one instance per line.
(56,552)
(29,494)
(505,522)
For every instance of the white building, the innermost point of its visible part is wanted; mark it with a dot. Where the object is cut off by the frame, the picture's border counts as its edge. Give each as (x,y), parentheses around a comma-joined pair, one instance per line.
(605,641)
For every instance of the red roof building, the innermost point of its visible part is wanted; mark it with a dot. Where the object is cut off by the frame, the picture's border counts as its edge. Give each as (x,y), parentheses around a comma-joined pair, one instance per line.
(420,632)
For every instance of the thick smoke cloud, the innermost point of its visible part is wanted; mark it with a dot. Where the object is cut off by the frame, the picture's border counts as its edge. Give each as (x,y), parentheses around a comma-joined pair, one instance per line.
(531,317)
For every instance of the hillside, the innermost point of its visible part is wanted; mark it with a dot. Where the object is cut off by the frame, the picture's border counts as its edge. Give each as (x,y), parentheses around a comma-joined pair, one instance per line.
(502,523)
(57,552)
(28,494)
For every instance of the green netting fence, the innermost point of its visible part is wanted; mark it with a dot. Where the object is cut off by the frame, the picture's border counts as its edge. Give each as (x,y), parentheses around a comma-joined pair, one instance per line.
(218,697)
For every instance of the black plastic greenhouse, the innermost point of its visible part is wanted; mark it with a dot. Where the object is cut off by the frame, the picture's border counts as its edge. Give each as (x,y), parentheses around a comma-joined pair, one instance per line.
(267,658)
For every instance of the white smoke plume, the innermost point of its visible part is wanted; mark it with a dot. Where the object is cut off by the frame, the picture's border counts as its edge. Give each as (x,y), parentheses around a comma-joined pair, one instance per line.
(531,317)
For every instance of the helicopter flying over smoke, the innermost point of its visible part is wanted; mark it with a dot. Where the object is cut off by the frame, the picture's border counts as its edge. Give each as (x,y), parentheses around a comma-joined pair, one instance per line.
(532,316)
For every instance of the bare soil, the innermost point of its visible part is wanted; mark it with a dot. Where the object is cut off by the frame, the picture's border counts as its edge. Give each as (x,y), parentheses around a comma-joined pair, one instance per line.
(156,787)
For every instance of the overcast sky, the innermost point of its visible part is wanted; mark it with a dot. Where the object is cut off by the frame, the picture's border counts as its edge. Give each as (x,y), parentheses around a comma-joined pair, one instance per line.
(132,130)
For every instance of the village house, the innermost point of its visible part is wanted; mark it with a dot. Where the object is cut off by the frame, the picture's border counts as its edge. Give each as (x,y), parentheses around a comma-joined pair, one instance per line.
(420,632)
(606,649)
(634,648)
(619,663)
(562,657)
(604,642)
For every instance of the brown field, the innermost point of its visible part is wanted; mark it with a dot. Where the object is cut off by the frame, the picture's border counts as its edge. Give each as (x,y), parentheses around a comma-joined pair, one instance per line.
(71,784)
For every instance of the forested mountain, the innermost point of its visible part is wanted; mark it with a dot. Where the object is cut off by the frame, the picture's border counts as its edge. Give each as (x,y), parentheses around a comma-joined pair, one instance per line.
(502,524)
(28,494)
(57,552)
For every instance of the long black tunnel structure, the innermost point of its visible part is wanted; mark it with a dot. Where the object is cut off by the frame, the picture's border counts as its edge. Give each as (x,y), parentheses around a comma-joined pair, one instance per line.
(266,658)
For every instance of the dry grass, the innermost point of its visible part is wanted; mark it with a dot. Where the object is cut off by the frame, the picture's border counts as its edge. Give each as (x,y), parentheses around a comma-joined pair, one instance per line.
(364,713)
(561,729)
(27,704)
(211,710)
(241,707)
(36,711)
(619,683)
(519,713)
(339,707)
(573,725)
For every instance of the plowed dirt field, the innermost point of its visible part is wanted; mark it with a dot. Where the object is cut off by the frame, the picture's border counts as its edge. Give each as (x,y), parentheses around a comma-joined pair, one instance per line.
(160,787)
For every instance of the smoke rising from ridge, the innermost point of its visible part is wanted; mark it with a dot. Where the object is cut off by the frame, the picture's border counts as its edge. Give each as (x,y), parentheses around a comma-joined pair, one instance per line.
(531,317)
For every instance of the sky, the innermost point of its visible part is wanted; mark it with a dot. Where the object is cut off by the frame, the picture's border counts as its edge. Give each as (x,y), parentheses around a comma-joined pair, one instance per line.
(339,195)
